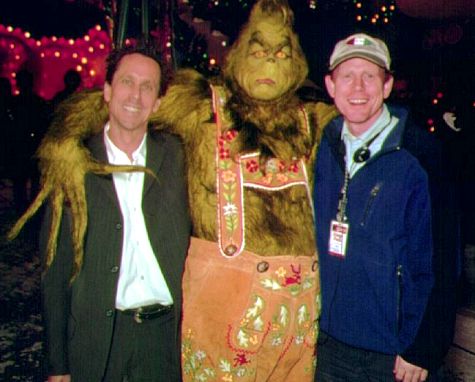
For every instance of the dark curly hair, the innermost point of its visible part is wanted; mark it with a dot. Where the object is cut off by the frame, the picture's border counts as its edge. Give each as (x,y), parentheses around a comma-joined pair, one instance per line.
(117,54)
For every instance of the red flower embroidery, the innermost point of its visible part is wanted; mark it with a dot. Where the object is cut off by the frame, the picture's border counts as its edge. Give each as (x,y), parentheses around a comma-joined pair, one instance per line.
(294,166)
(224,153)
(252,165)
(230,135)
(240,359)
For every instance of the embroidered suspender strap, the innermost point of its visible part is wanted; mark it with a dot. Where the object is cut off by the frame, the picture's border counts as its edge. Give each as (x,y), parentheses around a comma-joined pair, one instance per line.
(229,184)
(233,174)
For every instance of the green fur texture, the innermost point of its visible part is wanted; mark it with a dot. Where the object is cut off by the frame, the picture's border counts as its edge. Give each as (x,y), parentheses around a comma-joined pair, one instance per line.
(64,162)
(276,223)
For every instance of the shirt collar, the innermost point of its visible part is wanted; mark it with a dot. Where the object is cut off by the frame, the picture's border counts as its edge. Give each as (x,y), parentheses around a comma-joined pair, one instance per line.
(119,157)
(382,121)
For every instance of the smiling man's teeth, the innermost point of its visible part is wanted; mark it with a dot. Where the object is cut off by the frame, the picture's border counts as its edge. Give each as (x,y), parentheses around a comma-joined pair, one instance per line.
(357,101)
(131,108)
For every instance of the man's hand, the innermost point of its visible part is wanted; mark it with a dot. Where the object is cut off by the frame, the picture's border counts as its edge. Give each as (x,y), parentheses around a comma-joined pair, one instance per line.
(59,378)
(407,372)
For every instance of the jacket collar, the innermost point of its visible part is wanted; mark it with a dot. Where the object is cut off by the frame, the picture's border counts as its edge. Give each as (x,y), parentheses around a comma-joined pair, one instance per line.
(394,140)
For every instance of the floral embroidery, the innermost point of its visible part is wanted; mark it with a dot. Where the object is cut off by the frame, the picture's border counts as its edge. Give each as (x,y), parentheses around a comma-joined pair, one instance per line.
(278,333)
(277,172)
(252,166)
(228,176)
(223,143)
(195,362)
(251,322)
(229,184)
(280,323)
(290,280)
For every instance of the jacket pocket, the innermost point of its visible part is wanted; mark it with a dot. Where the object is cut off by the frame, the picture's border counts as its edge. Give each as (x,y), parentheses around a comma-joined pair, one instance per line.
(369,204)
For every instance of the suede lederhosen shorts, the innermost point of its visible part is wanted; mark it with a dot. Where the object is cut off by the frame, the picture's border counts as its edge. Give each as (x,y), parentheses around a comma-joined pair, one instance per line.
(248,318)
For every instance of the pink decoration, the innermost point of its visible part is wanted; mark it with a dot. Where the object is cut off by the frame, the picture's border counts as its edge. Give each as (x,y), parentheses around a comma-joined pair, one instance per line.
(437,9)
(48,58)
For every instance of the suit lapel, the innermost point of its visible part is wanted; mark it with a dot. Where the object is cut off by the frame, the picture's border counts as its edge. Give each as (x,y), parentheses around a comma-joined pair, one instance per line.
(156,152)
(98,151)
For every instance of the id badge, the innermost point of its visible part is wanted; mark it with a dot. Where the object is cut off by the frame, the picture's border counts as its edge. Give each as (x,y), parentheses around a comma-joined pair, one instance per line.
(338,238)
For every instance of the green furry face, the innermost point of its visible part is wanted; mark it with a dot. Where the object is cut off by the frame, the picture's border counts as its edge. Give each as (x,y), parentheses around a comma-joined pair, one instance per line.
(265,72)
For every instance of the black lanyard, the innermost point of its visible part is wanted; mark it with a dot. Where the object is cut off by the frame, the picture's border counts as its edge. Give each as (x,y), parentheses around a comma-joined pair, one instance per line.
(361,155)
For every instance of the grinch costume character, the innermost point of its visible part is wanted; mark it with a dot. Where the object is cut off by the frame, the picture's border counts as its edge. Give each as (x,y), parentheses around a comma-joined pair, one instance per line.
(251,284)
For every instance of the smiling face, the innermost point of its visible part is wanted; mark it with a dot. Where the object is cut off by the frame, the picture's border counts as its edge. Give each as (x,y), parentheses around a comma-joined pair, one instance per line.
(133,94)
(359,88)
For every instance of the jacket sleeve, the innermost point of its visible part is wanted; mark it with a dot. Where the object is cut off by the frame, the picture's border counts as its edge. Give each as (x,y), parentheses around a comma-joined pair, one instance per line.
(416,277)
(436,330)
(55,288)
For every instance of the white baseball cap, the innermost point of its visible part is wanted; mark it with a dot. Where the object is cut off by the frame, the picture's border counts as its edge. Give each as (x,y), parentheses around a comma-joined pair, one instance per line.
(363,46)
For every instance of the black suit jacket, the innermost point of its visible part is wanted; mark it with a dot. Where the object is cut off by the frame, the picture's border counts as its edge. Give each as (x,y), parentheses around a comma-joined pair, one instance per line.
(79,317)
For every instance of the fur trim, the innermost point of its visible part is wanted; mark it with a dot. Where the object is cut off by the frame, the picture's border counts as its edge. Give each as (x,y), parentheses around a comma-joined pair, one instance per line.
(64,162)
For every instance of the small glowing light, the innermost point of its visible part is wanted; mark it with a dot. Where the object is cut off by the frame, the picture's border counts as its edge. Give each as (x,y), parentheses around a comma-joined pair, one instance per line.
(12,46)
(383,8)
(78,68)
(27,34)
(92,72)
(212,61)
(430,121)
(13,74)
(386,20)
(127,41)
(102,46)
(84,60)
(473,104)
(168,44)
(439,95)
(42,54)
(91,49)
(373,20)
(57,54)
(358,5)
(38,43)
(16,92)
(9,28)
(87,38)
(224,43)
(392,7)
(376,16)
(17,57)
(71,41)
(432,129)
(98,27)
(54,38)
(435,101)
(359,18)
(75,55)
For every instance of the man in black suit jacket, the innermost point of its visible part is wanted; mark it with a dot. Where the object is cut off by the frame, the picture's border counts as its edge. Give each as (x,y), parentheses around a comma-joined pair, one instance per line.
(112,314)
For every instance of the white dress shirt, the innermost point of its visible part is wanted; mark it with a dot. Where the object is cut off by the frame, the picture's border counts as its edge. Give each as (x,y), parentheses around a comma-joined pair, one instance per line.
(141,280)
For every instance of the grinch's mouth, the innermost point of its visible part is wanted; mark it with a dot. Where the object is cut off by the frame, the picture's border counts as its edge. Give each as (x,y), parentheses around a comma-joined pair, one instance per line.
(265,81)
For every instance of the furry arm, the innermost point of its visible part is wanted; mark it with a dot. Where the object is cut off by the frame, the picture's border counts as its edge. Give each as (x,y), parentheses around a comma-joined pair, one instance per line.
(64,162)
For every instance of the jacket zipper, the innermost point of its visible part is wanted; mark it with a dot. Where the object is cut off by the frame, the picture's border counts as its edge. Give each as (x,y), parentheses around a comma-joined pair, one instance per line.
(374,192)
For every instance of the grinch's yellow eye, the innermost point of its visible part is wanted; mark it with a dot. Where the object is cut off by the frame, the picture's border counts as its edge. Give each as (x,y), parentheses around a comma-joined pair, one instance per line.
(259,54)
(281,54)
